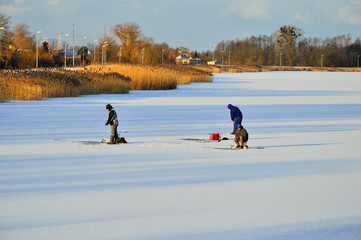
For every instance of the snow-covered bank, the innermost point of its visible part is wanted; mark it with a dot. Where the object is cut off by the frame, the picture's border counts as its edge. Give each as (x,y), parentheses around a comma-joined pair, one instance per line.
(58,182)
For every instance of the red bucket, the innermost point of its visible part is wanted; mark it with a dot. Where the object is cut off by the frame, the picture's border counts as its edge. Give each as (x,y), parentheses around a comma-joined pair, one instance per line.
(215,136)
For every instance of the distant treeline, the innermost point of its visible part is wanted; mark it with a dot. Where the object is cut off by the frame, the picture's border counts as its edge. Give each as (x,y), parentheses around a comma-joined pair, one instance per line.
(288,47)
(21,49)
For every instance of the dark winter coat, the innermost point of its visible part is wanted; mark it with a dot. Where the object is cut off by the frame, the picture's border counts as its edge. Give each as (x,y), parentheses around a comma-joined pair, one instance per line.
(242,133)
(112,119)
(235,112)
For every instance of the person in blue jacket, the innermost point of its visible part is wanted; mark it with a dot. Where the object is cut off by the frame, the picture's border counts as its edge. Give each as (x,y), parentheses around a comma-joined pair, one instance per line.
(236,116)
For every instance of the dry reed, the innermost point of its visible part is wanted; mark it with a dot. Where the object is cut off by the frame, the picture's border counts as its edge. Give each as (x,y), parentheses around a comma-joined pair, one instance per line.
(156,77)
(36,85)
(48,83)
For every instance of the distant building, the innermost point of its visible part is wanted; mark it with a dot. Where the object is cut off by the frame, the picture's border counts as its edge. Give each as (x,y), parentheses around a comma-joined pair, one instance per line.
(196,61)
(214,63)
(182,60)
(185,60)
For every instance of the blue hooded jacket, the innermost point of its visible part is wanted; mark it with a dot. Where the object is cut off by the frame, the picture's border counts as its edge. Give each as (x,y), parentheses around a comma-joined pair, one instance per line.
(235,112)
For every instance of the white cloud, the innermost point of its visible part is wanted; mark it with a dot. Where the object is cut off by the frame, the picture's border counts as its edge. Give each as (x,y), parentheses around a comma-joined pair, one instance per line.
(350,13)
(251,9)
(303,17)
(52,3)
(15,7)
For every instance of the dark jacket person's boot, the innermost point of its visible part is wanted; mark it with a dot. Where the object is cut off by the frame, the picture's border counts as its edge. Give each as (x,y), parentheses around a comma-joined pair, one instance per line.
(111,140)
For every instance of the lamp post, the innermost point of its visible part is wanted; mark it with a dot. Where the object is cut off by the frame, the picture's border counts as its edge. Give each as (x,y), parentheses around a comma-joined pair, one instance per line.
(104,46)
(2,29)
(229,58)
(358,60)
(84,49)
(162,55)
(120,54)
(37,49)
(143,56)
(103,54)
(280,59)
(322,61)
(94,47)
(66,35)
(222,57)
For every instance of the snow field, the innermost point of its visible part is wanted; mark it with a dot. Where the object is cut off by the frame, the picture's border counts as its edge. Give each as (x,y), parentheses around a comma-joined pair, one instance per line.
(57,181)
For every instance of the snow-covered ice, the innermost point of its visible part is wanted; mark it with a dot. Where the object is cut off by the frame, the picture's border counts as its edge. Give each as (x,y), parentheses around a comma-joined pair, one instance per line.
(300,179)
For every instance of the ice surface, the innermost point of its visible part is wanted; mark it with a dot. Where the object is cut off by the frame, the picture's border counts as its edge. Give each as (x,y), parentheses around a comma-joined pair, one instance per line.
(57,181)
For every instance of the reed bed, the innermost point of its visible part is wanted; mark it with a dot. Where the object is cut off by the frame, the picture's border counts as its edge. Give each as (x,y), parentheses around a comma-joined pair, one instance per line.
(112,79)
(37,85)
(155,77)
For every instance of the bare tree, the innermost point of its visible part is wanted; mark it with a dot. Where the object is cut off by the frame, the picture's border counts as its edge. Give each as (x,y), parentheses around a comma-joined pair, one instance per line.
(132,40)
(22,46)
(287,38)
(5,40)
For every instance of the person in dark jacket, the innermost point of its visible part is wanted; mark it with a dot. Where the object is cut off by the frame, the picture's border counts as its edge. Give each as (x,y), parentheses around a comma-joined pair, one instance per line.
(236,116)
(113,122)
(241,137)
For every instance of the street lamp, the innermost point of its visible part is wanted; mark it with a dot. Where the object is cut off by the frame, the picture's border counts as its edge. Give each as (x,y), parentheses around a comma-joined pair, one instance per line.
(322,61)
(229,58)
(105,53)
(222,57)
(162,55)
(358,60)
(143,56)
(37,49)
(120,54)
(66,35)
(94,48)
(280,59)
(2,29)
(104,46)
(84,49)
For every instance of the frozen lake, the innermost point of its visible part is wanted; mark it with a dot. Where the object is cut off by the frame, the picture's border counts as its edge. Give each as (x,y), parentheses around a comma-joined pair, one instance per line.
(300,179)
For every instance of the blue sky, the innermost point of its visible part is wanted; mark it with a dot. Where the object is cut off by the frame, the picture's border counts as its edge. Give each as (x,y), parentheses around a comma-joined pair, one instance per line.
(190,23)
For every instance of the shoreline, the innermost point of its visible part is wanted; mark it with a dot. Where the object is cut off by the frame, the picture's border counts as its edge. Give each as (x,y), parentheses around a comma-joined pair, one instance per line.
(29,85)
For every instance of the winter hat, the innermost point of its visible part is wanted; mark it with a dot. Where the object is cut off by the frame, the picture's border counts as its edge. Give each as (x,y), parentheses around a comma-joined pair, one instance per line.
(109,107)
(230,106)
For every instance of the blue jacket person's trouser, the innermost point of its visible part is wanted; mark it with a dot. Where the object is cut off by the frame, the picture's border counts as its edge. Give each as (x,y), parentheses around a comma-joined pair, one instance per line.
(237,124)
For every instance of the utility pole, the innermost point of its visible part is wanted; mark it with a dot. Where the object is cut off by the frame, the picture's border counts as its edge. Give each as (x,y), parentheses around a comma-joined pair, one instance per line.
(84,38)
(59,41)
(73,46)
(66,35)
(94,48)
